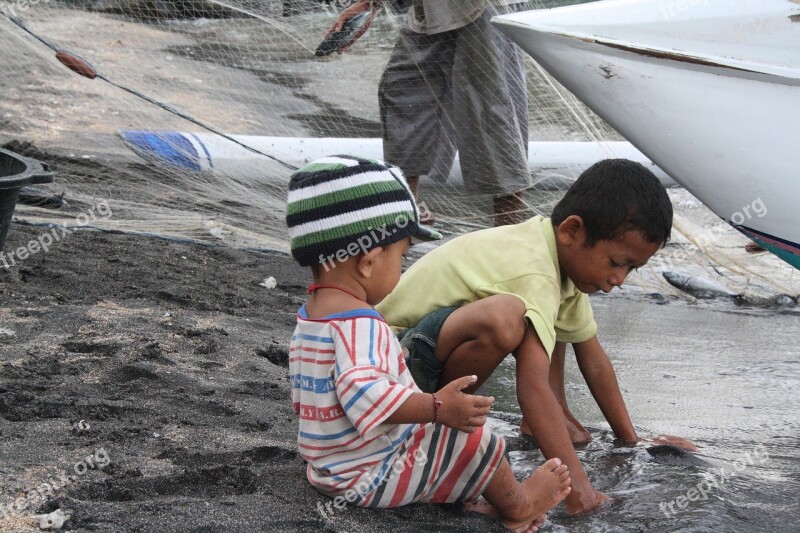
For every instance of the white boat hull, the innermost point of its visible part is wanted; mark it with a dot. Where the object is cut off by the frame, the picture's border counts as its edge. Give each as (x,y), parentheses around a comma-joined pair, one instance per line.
(711,94)
(553,165)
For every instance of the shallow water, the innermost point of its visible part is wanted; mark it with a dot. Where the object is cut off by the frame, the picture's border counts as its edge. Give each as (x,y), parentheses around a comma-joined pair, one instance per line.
(725,378)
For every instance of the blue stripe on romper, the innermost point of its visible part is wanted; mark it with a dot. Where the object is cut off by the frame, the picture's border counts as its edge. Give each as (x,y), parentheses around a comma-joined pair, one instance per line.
(392,446)
(426,472)
(358,395)
(333,436)
(312,384)
(371,342)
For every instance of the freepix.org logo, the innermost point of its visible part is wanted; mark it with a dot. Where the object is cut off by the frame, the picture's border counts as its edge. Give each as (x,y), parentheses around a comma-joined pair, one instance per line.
(365,486)
(101,211)
(366,242)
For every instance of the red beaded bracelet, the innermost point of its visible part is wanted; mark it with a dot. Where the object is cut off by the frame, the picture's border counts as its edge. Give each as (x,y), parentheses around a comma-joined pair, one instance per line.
(436,405)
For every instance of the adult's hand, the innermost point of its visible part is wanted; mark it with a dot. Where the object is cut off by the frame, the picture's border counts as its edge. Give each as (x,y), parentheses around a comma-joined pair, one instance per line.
(347,14)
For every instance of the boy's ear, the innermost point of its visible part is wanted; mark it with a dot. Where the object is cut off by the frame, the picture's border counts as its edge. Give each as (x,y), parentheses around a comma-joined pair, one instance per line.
(570,229)
(366,262)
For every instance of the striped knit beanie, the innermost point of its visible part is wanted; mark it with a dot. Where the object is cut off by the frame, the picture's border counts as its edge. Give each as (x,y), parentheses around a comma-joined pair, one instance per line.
(342,205)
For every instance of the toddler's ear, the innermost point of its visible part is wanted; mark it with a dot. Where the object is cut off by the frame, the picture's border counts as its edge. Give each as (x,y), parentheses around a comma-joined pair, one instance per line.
(366,262)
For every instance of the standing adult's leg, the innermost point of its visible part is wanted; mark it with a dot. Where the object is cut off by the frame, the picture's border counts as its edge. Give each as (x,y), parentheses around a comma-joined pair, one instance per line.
(415,100)
(490,99)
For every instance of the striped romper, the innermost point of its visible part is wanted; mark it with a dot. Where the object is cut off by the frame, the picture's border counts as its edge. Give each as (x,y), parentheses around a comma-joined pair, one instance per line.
(348,376)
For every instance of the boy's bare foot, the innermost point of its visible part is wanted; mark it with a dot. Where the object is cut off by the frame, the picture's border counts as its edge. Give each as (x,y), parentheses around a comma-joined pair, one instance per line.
(587,500)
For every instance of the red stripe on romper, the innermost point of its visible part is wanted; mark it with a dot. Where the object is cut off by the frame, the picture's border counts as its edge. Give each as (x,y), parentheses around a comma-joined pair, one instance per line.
(342,337)
(348,450)
(401,488)
(380,341)
(312,350)
(380,416)
(326,362)
(467,454)
(323,414)
(372,408)
(353,382)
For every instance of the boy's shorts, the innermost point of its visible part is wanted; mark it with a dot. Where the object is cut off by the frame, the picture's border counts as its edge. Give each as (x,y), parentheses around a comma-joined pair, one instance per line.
(420,341)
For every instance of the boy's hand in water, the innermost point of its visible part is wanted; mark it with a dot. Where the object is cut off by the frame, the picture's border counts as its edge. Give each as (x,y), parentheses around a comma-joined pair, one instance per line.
(582,500)
(672,440)
(347,14)
(464,412)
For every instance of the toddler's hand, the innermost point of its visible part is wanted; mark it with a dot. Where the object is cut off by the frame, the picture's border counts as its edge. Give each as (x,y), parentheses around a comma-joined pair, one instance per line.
(464,412)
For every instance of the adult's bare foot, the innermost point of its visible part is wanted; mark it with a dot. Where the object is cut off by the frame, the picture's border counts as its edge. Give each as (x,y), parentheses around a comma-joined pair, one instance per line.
(425,215)
(508,209)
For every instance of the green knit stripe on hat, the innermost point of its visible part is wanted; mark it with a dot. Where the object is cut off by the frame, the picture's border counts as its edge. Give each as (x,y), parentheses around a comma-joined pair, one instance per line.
(387,222)
(345,194)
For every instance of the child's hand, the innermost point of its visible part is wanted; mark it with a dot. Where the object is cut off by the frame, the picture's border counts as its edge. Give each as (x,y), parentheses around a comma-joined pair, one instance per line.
(464,412)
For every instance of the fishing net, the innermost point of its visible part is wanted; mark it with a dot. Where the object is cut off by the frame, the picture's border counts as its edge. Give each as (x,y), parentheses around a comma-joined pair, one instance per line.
(240,79)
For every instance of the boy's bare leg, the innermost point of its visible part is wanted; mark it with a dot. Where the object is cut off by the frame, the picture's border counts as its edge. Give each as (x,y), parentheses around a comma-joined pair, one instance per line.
(541,409)
(476,337)
(577,433)
(508,209)
(425,216)
(522,506)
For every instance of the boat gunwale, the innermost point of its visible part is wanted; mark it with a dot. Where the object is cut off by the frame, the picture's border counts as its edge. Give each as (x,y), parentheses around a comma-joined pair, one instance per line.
(783,72)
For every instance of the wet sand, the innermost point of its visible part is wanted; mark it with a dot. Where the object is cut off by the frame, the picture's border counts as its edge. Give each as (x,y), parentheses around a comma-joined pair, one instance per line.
(723,376)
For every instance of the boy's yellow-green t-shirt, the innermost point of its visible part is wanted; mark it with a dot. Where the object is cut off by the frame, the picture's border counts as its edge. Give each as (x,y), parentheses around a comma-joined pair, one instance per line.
(521,260)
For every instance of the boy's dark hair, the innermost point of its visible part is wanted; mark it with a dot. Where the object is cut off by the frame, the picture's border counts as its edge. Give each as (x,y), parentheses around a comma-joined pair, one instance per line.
(614,196)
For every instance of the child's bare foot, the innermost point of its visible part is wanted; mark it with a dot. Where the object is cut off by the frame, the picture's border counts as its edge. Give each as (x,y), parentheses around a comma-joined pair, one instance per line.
(545,488)
(521,506)
(484,507)
(539,492)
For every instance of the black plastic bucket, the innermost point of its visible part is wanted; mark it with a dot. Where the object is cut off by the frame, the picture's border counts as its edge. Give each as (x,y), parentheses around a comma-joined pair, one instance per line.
(17,172)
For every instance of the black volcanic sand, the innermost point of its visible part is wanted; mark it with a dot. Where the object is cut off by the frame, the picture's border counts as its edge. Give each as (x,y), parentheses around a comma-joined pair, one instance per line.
(177,360)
